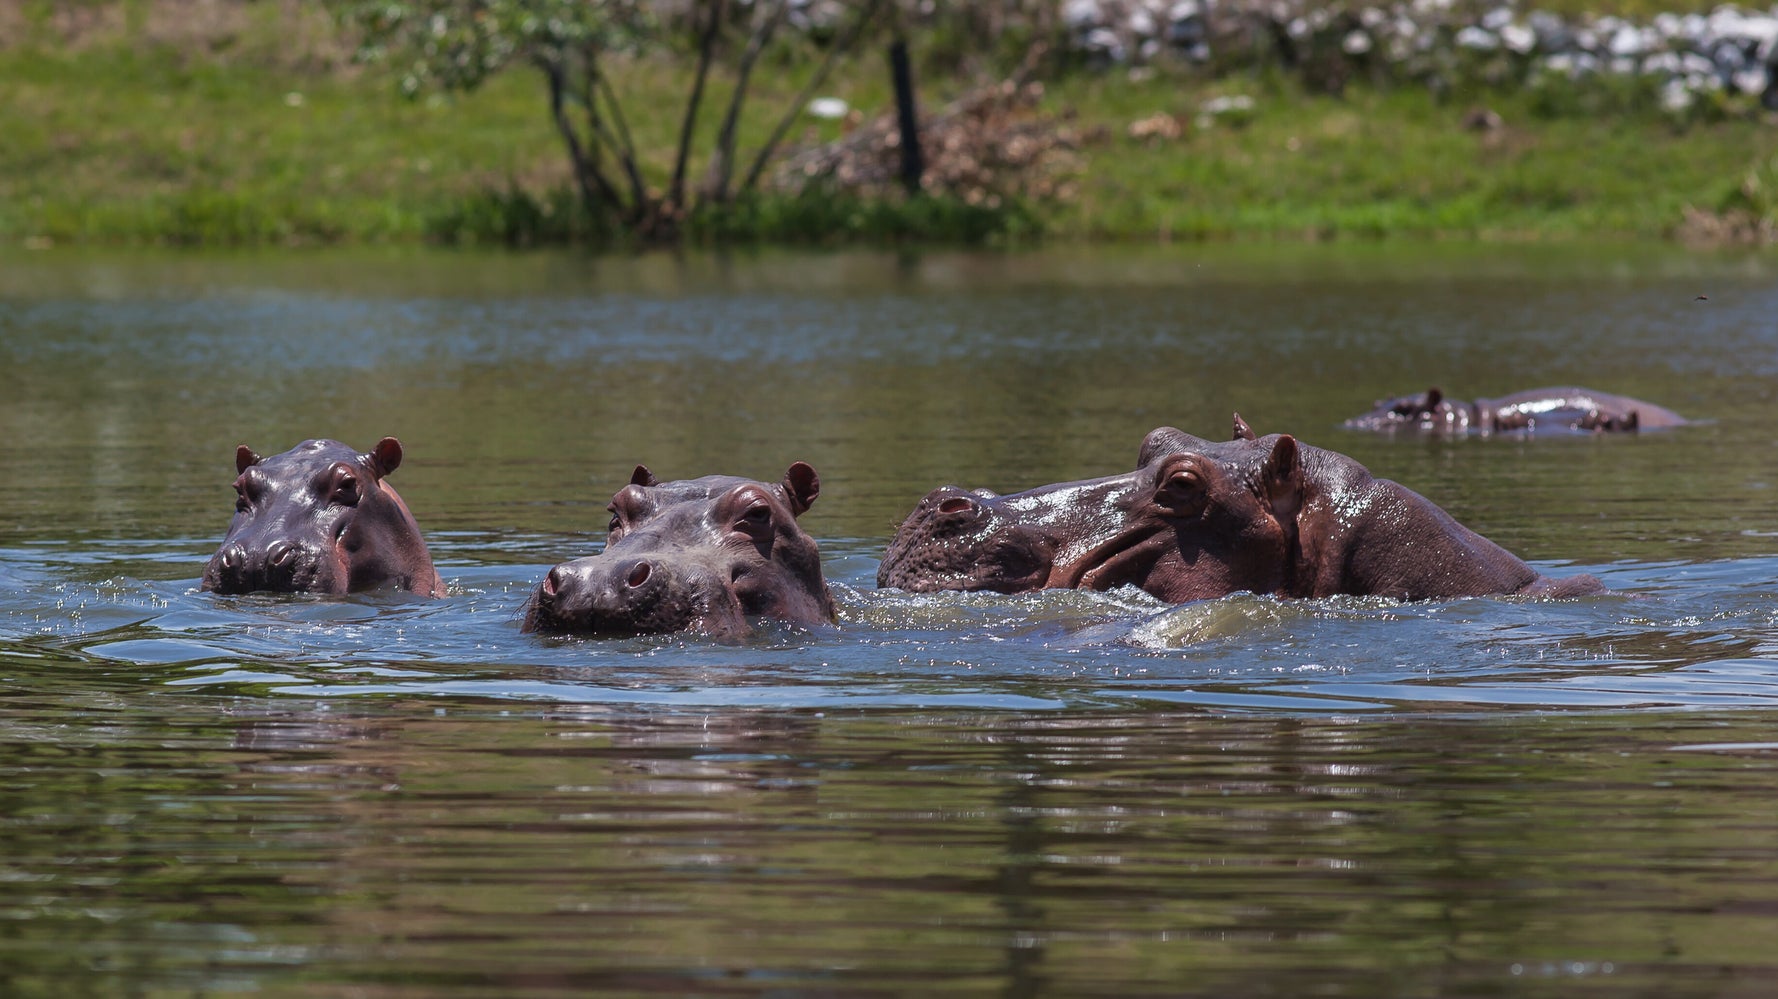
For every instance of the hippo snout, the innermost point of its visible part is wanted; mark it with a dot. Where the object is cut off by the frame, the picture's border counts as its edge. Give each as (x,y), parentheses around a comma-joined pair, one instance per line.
(631,586)
(643,595)
(282,566)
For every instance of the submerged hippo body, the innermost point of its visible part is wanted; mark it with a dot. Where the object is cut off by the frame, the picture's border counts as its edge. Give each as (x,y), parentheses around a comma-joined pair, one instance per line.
(1199,519)
(1567,408)
(320,519)
(699,555)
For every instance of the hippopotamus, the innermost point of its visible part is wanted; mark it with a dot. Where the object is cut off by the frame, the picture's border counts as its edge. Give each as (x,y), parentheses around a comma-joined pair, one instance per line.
(1566,408)
(702,555)
(320,518)
(1198,519)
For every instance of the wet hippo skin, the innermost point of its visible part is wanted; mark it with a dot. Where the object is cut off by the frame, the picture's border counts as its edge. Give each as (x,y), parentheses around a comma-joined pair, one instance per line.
(1200,519)
(703,555)
(1546,410)
(320,518)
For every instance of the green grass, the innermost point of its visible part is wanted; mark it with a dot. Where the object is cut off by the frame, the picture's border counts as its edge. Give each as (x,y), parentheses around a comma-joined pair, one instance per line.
(1377,163)
(122,143)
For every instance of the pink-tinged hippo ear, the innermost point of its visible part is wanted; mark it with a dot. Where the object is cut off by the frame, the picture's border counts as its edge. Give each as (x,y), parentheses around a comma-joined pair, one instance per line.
(802,485)
(1243,432)
(643,477)
(385,457)
(245,458)
(1283,478)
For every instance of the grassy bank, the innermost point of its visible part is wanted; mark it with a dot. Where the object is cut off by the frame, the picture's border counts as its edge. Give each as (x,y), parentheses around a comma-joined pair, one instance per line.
(118,141)
(1380,163)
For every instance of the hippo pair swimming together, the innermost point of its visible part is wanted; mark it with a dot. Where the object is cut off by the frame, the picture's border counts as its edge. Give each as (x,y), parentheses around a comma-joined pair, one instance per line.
(1194,520)
(1200,519)
(703,555)
(1564,409)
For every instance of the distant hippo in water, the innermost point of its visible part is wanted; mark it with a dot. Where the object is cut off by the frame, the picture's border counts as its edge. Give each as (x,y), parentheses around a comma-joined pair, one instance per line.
(1544,410)
(700,555)
(320,519)
(1198,519)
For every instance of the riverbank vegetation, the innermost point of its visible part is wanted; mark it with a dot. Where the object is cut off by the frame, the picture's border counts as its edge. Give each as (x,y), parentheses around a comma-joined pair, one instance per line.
(238,124)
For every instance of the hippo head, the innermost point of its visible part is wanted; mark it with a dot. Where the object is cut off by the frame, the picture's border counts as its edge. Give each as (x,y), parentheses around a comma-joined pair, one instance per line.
(1424,410)
(700,555)
(959,539)
(1196,519)
(320,519)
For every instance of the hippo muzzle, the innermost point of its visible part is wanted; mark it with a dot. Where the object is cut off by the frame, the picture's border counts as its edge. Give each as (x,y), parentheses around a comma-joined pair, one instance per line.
(279,566)
(634,595)
(958,539)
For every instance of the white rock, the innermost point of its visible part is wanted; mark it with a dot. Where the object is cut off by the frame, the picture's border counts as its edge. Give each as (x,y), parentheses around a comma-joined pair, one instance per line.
(1750,81)
(1224,105)
(1518,38)
(1662,64)
(1692,62)
(1081,14)
(1675,97)
(1627,41)
(1477,39)
(828,107)
(1356,43)
(1105,40)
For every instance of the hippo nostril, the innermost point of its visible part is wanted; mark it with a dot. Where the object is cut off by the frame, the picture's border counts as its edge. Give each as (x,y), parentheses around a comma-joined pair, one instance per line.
(280,554)
(233,556)
(638,575)
(552,583)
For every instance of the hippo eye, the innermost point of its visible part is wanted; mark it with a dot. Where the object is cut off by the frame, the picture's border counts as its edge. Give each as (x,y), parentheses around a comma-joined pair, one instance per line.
(241,504)
(1182,491)
(615,525)
(345,490)
(756,520)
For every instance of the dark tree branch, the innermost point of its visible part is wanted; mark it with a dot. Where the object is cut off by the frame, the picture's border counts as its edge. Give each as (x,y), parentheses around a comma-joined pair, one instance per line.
(706,55)
(603,83)
(626,154)
(840,47)
(595,190)
(722,159)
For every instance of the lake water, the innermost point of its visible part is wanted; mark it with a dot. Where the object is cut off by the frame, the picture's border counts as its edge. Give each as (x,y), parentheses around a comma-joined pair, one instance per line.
(1045,794)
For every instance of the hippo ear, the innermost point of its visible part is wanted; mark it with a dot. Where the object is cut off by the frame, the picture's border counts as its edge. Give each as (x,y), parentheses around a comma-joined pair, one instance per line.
(385,457)
(1282,478)
(1433,397)
(802,485)
(245,458)
(643,477)
(1243,432)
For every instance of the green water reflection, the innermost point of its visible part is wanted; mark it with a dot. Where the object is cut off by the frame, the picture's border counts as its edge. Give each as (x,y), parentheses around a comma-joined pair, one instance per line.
(418,849)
